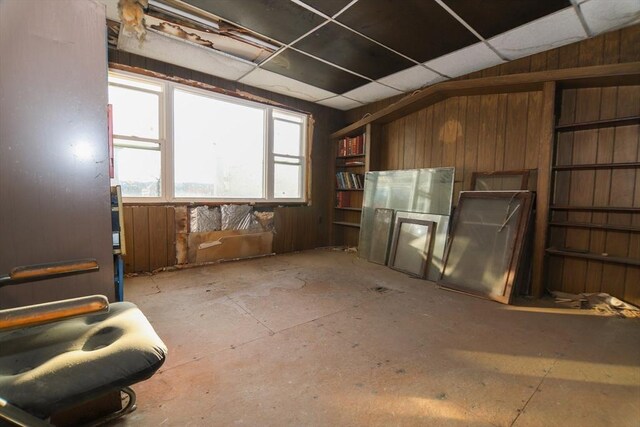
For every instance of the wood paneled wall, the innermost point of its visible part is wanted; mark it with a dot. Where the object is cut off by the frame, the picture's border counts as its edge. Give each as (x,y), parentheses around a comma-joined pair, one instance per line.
(150,238)
(505,132)
(297,227)
(603,187)
(472,133)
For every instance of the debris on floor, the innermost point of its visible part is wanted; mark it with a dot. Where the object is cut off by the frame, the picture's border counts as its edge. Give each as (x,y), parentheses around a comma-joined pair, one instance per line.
(603,303)
(344,249)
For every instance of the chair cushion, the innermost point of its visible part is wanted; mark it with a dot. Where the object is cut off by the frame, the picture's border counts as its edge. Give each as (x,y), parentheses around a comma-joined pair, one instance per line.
(52,366)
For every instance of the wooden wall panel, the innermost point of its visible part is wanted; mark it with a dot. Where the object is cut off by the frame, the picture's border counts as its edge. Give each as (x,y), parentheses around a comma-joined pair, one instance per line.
(150,236)
(474,133)
(129,265)
(158,237)
(141,238)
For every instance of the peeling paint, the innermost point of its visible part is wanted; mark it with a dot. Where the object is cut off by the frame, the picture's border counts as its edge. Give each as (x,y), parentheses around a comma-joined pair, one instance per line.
(221,40)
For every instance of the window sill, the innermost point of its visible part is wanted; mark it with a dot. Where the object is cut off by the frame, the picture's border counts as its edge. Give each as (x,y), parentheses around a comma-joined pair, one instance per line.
(216,203)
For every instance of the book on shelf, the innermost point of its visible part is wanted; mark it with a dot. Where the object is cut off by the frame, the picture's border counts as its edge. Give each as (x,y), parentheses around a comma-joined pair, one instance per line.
(349,181)
(354,163)
(343,200)
(351,146)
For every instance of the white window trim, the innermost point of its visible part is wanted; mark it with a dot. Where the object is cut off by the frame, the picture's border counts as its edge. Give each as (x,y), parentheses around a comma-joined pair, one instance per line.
(166,141)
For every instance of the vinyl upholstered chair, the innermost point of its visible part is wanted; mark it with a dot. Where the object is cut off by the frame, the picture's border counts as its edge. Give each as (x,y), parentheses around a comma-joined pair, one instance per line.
(61,354)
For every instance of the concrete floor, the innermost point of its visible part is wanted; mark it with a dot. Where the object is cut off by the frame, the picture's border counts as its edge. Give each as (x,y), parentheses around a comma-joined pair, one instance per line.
(306,339)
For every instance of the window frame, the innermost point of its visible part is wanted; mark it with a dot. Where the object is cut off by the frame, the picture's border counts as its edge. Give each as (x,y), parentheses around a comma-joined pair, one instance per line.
(167,141)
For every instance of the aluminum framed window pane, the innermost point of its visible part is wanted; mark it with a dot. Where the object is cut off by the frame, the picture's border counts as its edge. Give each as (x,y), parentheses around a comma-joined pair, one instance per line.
(486,243)
(287,180)
(191,172)
(287,137)
(219,148)
(135,112)
(138,172)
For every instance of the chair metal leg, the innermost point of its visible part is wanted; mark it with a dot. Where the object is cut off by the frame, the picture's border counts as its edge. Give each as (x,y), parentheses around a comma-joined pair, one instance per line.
(18,417)
(128,408)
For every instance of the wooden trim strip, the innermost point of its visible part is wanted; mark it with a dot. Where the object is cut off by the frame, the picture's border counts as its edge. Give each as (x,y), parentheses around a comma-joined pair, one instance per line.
(592,256)
(543,188)
(629,165)
(627,73)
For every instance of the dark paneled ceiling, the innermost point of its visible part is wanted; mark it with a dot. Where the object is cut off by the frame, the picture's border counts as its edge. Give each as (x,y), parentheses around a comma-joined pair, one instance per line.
(493,17)
(420,29)
(345,53)
(347,49)
(301,67)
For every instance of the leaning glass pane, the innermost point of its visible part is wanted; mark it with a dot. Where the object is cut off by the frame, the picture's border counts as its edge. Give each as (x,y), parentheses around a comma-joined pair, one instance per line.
(287,182)
(415,190)
(412,247)
(286,138)
(135,113)
(218,148)
(137,171)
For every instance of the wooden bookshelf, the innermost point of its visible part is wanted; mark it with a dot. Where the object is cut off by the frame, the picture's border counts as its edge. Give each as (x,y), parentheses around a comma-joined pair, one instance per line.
(588,230)
(347,199)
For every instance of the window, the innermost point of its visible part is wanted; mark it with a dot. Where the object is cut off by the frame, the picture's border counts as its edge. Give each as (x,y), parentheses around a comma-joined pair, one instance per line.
(173,142)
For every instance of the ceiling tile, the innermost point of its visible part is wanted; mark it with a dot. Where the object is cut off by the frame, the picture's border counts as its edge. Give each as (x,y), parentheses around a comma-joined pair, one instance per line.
(283,21)
(328,7)
(546,33)
(340,102)
(371,92)
(420,29)
(411,78)
(280,84)
(178,52)
(306,69)
(604,15)
(490,18)
(111,9)
(349,50)
(467,60)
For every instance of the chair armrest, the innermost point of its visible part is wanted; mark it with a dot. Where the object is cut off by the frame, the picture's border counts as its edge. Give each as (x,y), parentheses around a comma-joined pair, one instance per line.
(31,273)
(38,314)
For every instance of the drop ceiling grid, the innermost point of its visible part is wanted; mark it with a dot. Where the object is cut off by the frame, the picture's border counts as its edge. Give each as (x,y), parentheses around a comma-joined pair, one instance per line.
(313,44)
(345,53)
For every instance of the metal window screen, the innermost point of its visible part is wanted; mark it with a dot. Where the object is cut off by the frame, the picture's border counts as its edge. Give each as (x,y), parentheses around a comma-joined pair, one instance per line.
(411,247)
(436,261)
(486,243)
(381,234)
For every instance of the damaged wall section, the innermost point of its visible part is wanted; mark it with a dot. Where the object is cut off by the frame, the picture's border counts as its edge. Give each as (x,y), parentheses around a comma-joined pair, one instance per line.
(228,232)
(165,236)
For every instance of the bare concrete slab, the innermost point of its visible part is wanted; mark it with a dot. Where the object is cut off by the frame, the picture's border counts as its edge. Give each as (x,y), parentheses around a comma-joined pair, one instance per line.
(324,338)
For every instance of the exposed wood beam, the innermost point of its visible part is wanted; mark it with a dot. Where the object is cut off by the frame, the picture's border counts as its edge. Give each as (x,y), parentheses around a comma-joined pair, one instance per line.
(543,187)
